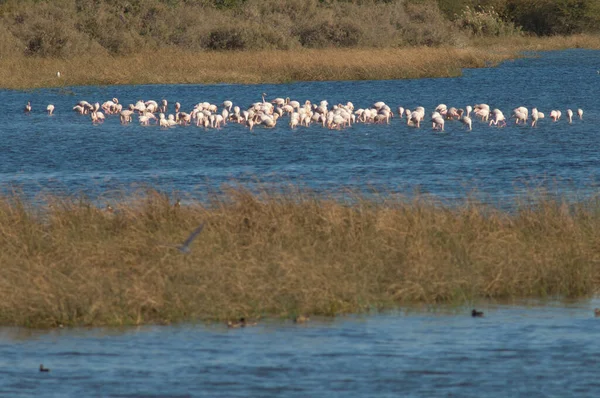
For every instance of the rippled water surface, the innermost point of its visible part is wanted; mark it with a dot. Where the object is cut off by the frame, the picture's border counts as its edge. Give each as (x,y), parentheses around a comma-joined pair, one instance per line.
(547,351)
(515,351)
(66,153)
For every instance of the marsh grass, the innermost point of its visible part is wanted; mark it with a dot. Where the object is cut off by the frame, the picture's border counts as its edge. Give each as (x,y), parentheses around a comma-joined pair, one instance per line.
(176,66)
(170,66)
(282,253)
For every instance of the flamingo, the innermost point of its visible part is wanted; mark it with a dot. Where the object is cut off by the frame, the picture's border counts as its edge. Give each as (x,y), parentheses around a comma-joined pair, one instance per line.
(541,115)
(437,121)
(570,115)
(50,109)
(452,113)
(534,117)
(162,121)
(28,107)
(378,105)
(465,119)
(294,120)
(279,101)
(414,119)
(469,109)
(519,116)
(580,113)
(442,109)
(524,112)
(498,117)
(140,106)
(483,113)
(145,118)
(554,115)
(126,116)
(97,116)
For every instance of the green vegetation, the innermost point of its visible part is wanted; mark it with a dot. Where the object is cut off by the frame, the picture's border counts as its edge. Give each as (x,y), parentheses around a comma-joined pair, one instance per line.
(279,254)
(70,28)
(256,41)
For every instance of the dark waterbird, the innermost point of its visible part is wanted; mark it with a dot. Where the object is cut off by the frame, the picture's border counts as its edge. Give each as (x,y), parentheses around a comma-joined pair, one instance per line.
(238,324)
(242,323)
(43,369)
(476,314)
(301,319)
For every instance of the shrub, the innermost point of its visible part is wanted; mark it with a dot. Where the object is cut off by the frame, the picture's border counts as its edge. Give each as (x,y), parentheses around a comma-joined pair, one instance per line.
(226,38)
(485,22)
(427,26)
(338,34)
(555,17)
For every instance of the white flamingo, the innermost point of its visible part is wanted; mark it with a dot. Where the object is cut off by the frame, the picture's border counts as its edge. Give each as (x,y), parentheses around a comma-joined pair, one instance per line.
(519,116)
(534,117)
(465,119)
(469,109)
(498,118)
(437,121)
(570,116)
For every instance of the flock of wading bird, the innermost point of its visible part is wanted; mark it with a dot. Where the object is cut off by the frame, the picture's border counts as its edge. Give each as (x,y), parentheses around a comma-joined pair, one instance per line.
(269,113)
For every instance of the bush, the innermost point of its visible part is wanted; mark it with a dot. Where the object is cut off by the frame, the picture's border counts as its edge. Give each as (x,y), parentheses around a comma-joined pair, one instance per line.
(323,34)
(66,28)
(555,17)
(223,38)
(427,26)
(9,44)
(485,22)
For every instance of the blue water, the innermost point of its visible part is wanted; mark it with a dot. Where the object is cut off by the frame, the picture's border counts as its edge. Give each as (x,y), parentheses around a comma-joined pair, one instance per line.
(514,351)
(66,153)
(540,351)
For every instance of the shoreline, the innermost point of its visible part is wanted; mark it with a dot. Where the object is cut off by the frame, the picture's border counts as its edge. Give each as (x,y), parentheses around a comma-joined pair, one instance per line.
(277,255)
(174,66)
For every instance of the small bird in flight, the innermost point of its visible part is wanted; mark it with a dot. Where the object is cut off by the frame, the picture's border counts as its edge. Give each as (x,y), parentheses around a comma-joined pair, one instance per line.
(185,246)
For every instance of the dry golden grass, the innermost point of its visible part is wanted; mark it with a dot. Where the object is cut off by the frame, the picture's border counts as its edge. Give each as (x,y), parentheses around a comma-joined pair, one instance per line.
(172,66)
(282,254)
(533,43)
(176,66)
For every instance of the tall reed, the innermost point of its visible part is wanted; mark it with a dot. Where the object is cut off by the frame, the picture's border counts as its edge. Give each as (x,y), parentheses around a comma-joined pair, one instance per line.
(69,262)
(170,66)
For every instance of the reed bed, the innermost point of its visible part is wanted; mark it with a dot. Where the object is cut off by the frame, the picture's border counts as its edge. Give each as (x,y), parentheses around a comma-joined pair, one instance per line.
(171,66)
(176,66)
(279,254)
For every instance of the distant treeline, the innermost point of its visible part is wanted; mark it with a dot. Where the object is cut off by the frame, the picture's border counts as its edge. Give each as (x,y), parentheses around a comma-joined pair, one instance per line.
(66,28)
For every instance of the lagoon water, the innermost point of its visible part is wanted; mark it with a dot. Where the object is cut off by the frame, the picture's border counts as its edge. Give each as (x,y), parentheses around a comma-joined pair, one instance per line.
(65,153)
(539,351)
(514,351)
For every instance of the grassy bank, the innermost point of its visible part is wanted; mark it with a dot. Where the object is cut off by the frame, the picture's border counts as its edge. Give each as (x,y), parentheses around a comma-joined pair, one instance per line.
(171,66)
(281,254)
